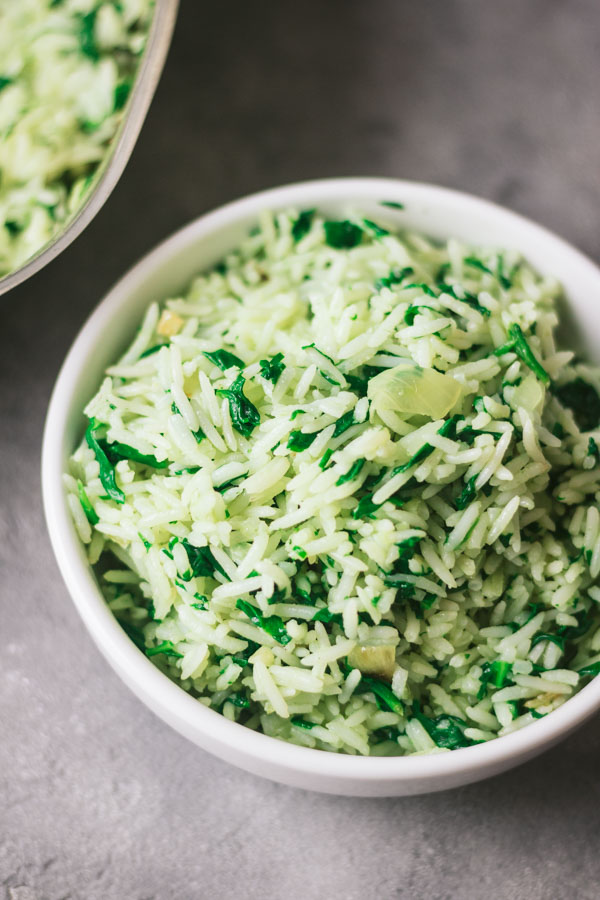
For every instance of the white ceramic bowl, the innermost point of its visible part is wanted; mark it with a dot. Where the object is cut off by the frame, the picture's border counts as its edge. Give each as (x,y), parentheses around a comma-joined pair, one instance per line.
(166,270)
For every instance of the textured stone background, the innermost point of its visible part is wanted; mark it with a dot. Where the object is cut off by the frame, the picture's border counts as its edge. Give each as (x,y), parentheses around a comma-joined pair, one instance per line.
(98,799)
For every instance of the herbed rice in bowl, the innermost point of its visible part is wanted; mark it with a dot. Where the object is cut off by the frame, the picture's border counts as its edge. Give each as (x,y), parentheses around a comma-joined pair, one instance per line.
(66,70)
(344,489)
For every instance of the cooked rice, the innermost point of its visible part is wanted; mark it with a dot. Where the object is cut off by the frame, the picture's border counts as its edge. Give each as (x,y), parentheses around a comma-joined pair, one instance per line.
(303,556)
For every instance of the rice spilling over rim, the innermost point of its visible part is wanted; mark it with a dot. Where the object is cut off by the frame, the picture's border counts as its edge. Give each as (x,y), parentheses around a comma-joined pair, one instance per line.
(66,70)
(344,489)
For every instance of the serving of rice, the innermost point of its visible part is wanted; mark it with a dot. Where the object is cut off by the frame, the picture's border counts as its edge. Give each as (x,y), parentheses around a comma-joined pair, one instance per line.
(66,70)
(344,489)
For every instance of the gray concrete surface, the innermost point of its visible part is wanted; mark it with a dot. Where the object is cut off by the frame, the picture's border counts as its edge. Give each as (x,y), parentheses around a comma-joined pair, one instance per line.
(98,799)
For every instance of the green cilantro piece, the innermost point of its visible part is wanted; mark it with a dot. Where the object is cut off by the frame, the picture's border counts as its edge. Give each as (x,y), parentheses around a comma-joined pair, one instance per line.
(302,224)
(224,359)
(244,415)
(342,235)
(90,513)
(107,472)
(272,625)
(271,369)
(352,472)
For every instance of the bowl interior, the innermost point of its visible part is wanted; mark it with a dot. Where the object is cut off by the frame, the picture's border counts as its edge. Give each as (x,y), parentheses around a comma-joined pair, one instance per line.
(165,272)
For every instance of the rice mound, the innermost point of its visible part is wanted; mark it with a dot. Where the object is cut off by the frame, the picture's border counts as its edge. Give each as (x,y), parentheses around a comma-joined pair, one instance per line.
(65,74)
(344,490)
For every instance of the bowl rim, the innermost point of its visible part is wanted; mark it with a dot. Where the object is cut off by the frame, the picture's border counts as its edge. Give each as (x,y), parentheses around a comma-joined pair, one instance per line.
(116,156)
(165,697)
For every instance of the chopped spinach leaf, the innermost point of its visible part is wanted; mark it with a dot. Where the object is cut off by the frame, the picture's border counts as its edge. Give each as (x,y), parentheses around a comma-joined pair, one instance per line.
(152,350)
(202,561)
(298,722)
(4,82)
(366,509)
(272,625)
(592,669)
(237,699)
(445,731)
(496,674)
(302,224)
(583,401)
(344,423)
(116,451)
(107,472)
(342,235)
(223,359)
(396,276)
(300,440)
(90,513)
(467,495)
(393,204)
(325,458)
(244,415)
(271,369)
(352,472)
(166,648)
(377,230)
(518,344)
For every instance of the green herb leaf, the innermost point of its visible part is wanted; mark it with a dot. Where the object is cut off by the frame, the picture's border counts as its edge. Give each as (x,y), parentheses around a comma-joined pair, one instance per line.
(467,495)
(496,674)
(272,625)
(107,472)
(366,509)
(271,369)
(396,276)
(302,723)
(407,548)
(115,451)
(237,699)
(326,616)
(300,440)
(152,350)
(90,513)
(122,91)
(202,561)
(342,235)
(393,204)
(166,648)
(302,224)
(344,423)
(592,669)
(4,82)
(518,344)
(405,590)
(87,41)
(325,458)
(583,401)
(352,472)
(445,731)
(552,638)
(377,230)
(385,697)
(244,415)
(224,359)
